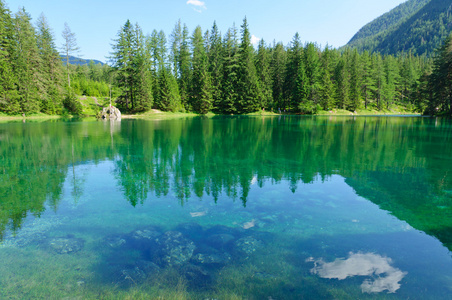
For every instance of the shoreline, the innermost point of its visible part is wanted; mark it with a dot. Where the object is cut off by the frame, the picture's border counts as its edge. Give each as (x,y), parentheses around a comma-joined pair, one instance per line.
(160,115)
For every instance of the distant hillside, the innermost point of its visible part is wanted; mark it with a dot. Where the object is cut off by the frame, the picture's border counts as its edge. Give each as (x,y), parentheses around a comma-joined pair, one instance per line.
(418,26)
(80,61)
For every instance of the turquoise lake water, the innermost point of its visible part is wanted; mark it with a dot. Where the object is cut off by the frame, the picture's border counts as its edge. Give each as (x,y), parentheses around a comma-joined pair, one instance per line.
(227,208)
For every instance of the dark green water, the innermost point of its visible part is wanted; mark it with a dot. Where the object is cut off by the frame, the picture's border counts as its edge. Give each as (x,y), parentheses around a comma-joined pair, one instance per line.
(227,208)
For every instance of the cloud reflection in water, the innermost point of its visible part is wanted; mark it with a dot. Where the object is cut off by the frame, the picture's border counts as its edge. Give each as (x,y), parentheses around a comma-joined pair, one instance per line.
(384,276)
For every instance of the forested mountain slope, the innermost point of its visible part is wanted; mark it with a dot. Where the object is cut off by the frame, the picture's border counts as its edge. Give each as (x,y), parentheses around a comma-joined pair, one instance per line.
(419,26)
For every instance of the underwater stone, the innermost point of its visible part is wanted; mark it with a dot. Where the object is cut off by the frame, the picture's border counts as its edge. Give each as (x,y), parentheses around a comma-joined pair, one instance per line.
(175,248)
(31,232)
(212,258)
(137,273)
(197,276)
(190,229)
(248,244)
(64,245)
(143,239)
(115,241)
(220,240)
(145,234)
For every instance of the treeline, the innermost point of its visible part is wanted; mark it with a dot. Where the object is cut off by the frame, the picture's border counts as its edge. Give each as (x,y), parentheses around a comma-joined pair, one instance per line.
(32,75)
(205,72)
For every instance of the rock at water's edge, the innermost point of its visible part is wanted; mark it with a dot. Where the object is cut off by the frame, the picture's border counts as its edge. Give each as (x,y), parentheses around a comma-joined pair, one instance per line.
(110,112)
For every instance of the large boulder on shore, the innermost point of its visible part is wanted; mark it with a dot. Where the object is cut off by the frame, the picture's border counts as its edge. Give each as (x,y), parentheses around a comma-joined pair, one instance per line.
(110,112)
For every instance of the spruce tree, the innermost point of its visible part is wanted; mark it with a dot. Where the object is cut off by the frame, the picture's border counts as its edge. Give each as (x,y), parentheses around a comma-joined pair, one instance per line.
(143,98)
(440,81)
(26,63)
(249,95)
(122,62)
(52,93)
(295,64)
(9,99)
(264,75)
(278,70)
(231,69)
(312,63)
(368,79)
(69,48)
(355,81)
(215,59)
(326,92)
(342,85)
(201,88)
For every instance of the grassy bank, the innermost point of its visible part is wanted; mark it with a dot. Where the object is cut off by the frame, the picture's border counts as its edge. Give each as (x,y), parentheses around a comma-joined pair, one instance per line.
(91,105)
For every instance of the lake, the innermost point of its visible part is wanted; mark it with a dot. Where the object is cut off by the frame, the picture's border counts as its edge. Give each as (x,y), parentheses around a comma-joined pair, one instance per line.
(236,207)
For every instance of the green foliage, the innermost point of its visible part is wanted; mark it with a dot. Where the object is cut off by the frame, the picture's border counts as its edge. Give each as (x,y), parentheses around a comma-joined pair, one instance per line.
(417,26)
(204,73)
(439,85)
(72,105)
(131,68)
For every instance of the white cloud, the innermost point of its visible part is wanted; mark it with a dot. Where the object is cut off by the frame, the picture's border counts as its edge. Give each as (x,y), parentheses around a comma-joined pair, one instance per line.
(382,275)
(255,40)
(198,5)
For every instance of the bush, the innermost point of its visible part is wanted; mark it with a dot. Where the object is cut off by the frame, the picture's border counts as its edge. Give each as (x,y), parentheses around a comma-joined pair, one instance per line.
(71,103)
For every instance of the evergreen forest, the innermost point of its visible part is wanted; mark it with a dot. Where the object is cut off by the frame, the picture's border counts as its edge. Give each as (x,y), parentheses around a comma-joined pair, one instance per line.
(416,26)
(205,71)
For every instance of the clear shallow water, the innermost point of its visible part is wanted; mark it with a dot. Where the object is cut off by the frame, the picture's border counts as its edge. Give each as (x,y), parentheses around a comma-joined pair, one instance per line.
(227,208)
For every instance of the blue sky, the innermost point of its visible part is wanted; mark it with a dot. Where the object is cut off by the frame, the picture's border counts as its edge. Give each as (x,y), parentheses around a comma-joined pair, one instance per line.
(97,22)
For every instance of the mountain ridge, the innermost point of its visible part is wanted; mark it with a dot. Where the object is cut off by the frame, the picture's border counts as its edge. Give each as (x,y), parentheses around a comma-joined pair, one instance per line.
(80,61)
(416,26)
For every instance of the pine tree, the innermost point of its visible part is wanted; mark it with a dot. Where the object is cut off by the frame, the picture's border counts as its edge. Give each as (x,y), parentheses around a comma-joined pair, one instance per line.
(312,63)
(264,75)
(380,80)
(368,79)
(249,95)
(302,88)
(168,98)
(295,65)
(278,69)
(215,56)
(440,81)
(69,48)
(26,63)
(9,99)
(143,98)
(52,93)
(326,92)
(355,81)
(231,68)
(342,86)
(122,63)
(180,58)
(201,88)
(391,77)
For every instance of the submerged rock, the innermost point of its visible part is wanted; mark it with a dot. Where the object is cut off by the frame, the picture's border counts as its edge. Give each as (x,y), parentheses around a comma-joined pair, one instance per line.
(248,245)
(174,248)
(115,241)
(138,273)
(65,245)
(196,276)
(31,232)
(218,258)
(143,239)
(220,240)
(192,230)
